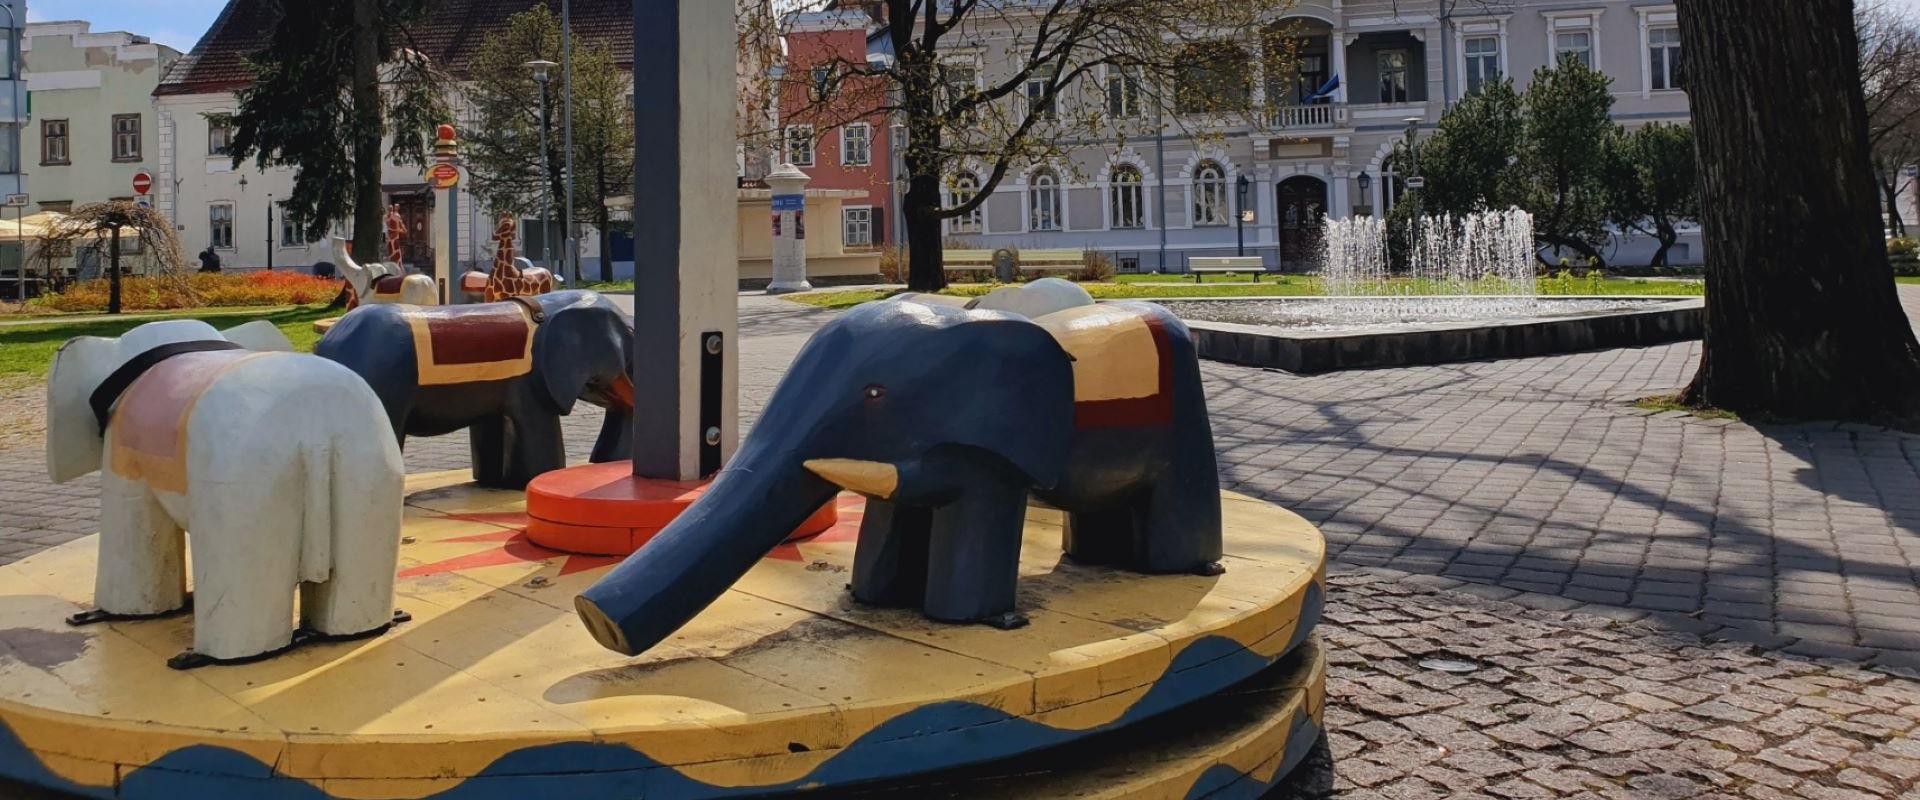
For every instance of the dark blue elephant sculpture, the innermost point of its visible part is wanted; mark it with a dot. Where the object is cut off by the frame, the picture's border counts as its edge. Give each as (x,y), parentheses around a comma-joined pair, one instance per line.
(947,419)
(505,371)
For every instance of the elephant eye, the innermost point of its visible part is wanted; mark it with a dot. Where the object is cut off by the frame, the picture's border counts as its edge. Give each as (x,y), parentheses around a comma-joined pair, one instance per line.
(876,391)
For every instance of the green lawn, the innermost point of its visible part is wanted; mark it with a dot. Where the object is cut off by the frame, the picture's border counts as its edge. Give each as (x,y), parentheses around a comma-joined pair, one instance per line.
(1136,286)
(1915,279)
(27,350)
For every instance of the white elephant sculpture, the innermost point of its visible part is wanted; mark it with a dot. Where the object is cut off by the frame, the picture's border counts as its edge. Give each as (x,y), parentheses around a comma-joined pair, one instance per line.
(381,282)
(266,461)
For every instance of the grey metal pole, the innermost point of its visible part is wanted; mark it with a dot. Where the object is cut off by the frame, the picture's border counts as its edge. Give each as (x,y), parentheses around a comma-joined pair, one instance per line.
(546,184)
(572,255)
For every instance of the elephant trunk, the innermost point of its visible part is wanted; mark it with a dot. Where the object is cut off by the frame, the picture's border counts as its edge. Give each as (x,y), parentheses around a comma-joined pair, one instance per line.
(753,506)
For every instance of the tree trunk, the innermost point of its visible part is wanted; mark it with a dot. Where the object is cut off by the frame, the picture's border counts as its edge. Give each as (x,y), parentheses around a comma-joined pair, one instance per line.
(113,272)
(1802,317)
(1666,235)
(1891,191)
(925,270)
(369,203)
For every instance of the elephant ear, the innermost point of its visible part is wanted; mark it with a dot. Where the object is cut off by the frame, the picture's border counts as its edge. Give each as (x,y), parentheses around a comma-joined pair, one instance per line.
(1022,403)
(577,344)
(259,335)
(74,446)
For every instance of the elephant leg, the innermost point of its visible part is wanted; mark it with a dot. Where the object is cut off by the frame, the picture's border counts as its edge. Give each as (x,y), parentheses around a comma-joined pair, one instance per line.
(489,439)
(246,563)
(1180,527)
(616,438)
(142,566)
(538,447)
(1101,537)
(973,558)
(357,595)
(890,561)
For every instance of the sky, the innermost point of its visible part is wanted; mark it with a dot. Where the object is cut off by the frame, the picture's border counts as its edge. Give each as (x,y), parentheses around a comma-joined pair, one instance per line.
(179,23)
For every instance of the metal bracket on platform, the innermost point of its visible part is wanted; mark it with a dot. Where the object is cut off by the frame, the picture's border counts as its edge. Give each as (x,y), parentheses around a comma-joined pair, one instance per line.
(301,638)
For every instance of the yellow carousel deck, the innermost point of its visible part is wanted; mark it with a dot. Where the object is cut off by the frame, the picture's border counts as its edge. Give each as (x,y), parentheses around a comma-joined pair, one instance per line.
(495,689)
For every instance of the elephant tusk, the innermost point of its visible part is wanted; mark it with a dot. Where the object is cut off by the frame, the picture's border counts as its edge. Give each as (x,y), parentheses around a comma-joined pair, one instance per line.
(871,478)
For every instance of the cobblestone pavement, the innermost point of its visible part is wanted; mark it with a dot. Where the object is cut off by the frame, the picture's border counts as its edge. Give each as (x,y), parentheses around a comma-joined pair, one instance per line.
(1575,705)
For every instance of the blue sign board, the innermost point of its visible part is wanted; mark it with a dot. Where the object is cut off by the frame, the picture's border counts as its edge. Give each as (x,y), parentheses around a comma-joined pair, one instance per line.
(789,202)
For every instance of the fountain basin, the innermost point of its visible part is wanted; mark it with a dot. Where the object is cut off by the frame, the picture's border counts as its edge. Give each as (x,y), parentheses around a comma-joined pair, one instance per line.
(1325,334)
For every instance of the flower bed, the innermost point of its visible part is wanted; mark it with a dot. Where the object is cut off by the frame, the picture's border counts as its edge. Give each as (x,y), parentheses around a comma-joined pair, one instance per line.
(196,290)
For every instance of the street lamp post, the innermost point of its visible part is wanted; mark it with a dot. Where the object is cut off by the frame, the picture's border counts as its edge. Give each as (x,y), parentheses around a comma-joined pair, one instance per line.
(572,254)
(269,231)
(1240,223)
(1366,190)
(540,69)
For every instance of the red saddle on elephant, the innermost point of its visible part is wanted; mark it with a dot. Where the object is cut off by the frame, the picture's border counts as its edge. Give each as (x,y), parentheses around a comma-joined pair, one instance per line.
(466,344)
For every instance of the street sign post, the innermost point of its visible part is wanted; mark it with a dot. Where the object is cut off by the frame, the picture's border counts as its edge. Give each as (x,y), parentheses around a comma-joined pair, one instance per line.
(19,201)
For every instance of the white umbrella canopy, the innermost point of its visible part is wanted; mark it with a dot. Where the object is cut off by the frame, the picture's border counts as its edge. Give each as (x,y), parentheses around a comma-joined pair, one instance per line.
(32,226)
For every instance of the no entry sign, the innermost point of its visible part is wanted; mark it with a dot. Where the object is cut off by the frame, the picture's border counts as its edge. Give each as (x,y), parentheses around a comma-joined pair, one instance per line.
(142,182)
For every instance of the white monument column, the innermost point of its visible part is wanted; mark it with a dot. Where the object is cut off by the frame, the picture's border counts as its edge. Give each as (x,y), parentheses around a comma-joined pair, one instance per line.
(444,178)
(789,186)
(685,363)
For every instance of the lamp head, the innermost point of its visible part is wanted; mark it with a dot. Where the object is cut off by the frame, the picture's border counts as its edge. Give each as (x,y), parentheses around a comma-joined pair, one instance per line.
(540,68)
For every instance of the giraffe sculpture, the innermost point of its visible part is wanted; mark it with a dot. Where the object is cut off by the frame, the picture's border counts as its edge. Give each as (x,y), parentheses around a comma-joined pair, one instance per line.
(510,277)
(396,234)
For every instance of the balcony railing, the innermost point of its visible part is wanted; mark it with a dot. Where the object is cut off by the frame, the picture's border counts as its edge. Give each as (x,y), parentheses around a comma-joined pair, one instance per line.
(1310,117)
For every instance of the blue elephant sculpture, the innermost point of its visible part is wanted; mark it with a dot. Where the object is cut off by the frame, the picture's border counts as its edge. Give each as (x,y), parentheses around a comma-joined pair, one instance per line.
(947,419)
(505,371)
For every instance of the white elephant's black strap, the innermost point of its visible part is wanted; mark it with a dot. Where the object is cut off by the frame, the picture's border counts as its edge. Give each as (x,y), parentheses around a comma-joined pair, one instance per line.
(116,384)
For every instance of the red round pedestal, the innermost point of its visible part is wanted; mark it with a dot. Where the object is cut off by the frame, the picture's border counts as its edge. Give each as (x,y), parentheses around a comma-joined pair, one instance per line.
(602,509)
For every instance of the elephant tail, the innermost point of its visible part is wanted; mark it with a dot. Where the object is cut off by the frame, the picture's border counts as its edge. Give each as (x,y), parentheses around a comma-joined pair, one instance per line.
(316,539)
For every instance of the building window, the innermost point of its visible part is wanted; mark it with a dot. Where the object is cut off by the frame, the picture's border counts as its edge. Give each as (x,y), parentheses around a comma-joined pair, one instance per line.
(1040,103)
(1044,196)
(293,229)
(126,137)
(856,226)
(1483,62)
(9,148)
(54,142)
(1663,58)
(800,145)
(1307,83)
(1209,195)
(1393,76)
(820,87)
(1123,93)
(965,188)
(220,226)
(1215,77)
(219,134)
(960,79)
(1577,45)
(1128,201)
(856,145)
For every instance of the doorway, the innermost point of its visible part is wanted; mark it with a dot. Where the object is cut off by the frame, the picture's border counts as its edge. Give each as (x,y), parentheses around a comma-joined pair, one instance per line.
(1303,204)
(416,213)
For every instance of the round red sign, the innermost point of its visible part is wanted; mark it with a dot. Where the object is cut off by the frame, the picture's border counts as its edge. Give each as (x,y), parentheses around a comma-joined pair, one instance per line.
(444,176)
(142,182)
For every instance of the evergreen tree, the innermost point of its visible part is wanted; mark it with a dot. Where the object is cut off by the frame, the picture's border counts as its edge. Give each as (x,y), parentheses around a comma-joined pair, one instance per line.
(1652,184)
(1568,122)
(331,84)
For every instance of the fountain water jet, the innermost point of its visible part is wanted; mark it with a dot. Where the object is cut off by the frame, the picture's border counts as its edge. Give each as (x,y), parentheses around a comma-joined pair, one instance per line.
(1475,266)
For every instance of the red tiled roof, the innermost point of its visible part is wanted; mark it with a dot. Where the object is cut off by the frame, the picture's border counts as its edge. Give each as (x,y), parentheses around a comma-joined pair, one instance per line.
(450,34)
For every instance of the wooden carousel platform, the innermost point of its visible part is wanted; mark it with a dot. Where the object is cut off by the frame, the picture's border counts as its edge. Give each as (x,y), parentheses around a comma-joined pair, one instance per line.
(495,689)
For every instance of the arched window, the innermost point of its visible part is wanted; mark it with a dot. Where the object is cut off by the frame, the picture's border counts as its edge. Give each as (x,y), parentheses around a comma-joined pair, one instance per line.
(965,188)
(1127,200)
(1210,194)
(1044,197)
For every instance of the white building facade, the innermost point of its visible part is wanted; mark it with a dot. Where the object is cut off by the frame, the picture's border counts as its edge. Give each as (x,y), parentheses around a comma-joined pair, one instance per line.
(1157,201)
(13,98)
(93,124)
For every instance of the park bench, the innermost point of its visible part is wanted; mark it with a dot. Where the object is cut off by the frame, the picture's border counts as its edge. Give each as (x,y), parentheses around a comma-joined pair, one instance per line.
(1030,260)
(1200,266)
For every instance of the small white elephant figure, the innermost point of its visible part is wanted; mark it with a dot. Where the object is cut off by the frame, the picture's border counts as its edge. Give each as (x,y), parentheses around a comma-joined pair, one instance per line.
(381,282)
(266,461)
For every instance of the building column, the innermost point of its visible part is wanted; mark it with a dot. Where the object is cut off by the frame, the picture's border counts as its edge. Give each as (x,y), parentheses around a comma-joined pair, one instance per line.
(1339,202)
(1338,40)
(686,338)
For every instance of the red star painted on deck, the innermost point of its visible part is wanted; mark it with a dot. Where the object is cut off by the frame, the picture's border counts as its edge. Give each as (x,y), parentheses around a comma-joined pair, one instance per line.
(515,548)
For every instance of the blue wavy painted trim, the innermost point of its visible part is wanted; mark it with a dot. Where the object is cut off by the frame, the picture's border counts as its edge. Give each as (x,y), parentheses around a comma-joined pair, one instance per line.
(1221,782)
(929,738)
